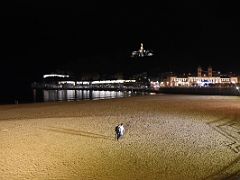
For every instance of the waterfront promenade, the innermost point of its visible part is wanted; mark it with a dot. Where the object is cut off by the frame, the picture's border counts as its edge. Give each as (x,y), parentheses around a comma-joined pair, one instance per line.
(233,90)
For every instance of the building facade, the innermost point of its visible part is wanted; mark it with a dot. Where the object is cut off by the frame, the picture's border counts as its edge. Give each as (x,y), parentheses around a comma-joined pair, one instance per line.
(203,79)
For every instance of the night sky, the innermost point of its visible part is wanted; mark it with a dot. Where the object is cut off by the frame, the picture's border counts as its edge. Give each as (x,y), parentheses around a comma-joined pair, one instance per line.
(92,36)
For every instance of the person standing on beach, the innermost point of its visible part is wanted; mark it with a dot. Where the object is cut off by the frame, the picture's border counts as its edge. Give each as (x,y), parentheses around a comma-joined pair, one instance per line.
(120,131)
(117,131)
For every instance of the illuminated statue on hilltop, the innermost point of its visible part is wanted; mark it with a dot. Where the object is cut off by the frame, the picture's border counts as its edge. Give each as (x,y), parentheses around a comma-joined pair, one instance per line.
(142,52)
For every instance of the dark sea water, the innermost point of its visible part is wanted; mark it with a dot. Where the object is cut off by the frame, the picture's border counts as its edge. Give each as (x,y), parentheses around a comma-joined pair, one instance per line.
(32,96)
(16,95)
(78,95)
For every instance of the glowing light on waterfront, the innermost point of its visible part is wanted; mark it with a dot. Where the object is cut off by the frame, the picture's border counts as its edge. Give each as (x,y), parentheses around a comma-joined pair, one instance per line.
(113,81)
(67,82)
(83,82)
(55,75)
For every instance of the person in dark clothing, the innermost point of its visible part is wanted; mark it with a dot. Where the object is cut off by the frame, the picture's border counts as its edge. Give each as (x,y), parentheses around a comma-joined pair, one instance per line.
(119,130)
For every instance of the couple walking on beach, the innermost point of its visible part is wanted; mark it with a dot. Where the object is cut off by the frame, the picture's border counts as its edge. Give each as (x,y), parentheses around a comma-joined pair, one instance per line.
(120,130)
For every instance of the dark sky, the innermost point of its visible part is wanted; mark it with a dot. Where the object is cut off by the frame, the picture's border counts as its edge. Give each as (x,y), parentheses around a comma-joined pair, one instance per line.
(41,37)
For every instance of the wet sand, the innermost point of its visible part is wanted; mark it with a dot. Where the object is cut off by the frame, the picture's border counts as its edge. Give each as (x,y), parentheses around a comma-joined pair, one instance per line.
(167,137)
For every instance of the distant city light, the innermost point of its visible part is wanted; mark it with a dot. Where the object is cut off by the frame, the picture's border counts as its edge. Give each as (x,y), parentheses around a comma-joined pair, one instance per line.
(83,82)
(142,52)
(67,82)
(55,75)
(96,82)
(112,81)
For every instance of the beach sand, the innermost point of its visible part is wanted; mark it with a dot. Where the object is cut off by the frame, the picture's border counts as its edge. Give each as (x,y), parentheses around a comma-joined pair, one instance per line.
(167,137)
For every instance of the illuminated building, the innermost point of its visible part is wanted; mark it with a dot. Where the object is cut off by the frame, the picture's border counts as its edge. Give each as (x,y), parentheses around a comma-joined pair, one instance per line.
(142,52)
(203,79)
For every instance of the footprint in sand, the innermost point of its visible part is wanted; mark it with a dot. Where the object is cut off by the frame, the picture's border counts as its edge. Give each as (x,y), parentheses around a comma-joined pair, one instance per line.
(4,130)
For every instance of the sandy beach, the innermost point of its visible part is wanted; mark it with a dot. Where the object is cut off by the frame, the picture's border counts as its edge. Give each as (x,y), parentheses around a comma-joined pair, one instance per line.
(167,137)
